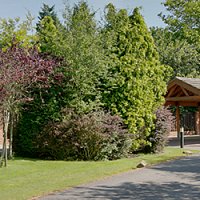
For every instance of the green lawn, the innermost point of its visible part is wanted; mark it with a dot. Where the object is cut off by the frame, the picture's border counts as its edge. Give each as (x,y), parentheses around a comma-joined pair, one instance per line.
(26,178)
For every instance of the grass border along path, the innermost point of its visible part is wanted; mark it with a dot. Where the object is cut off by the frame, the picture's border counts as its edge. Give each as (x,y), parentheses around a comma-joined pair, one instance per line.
(26,178)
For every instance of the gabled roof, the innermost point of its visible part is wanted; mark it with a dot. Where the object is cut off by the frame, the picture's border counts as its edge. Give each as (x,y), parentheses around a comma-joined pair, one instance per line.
(194,82)
(183,91)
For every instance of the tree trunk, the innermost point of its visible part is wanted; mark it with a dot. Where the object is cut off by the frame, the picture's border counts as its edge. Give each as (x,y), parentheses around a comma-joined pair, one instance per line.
(11,136)
(6,119)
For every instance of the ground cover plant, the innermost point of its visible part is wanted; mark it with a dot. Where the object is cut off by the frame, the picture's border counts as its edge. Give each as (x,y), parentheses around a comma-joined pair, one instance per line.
(26,178)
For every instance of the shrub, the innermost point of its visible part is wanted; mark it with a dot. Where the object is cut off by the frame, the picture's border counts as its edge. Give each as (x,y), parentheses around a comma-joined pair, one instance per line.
(158,137)
(92,136)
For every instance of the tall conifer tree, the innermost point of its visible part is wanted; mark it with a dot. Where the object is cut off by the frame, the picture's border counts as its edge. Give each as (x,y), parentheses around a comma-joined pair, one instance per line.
(46,10)
(135,86)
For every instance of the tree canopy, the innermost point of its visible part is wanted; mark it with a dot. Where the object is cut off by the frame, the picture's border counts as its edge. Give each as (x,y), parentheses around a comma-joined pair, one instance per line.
(179,42)
(86,69)
(180,55)
(47,11)
(183,19)
(136,81)
(78,42)
(15,30)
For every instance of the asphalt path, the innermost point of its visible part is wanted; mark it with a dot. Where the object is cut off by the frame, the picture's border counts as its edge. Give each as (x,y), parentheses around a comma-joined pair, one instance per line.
(190,142)
(174,180)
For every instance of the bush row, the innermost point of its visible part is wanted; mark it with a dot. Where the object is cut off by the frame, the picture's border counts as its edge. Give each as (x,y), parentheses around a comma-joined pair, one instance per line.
(93,136)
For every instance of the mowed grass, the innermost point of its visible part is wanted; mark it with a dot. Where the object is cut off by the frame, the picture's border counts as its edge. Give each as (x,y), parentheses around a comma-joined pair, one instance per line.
(27,178)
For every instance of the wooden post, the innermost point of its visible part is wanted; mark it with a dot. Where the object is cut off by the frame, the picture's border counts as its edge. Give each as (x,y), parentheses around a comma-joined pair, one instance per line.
(177,120)
(198,133)
(197,122)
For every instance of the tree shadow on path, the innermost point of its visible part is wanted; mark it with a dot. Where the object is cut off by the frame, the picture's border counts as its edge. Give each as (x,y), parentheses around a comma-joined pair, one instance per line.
(180,182)
(147,191)
(188,165)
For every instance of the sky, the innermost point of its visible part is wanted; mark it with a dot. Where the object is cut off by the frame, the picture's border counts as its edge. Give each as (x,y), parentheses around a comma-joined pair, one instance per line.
(19,8)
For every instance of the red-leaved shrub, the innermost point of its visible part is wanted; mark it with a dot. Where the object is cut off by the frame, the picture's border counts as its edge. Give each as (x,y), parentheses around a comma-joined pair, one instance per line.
(92,136)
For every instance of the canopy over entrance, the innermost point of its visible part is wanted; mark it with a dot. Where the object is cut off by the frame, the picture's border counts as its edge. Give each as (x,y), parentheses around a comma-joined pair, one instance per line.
(184,92)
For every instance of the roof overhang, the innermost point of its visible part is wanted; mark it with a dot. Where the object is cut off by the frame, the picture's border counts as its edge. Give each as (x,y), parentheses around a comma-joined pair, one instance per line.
(183,92)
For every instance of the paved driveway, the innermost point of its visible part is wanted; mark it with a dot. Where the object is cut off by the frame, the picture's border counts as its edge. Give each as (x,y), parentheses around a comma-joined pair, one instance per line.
(190,142)
(175,180)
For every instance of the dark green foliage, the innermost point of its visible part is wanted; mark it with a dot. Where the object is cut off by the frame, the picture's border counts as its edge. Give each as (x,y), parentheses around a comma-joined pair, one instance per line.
(93,136)
(183,20)
(32,119)
(77,42)
(159,136)
(177,53)
(47,11)
(45,106)
(178,44)
(80,47)
(135,85)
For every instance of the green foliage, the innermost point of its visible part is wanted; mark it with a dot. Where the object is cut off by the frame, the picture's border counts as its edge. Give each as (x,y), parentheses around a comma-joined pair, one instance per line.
(183,19)
(77,41)
(179,43)
(115,67)
(93,136)
(45,106)
(47,11)
(81,49)
(48,28)
(181,56)
(14,31)
(47,34)
(136,84)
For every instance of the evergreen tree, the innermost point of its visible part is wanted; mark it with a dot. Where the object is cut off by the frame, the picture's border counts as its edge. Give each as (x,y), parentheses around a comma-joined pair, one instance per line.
(136,82)
(47,11)
(48,34)
(78,42)
(48,28)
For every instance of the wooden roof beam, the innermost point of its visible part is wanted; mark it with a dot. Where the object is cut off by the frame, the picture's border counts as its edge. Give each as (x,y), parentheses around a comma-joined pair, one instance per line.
(181,103)
(185,92)
(184,85)
(185,98)
(171,91)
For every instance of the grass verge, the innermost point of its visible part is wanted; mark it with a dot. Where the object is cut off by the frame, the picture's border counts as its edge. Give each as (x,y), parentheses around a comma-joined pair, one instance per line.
(26,178)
